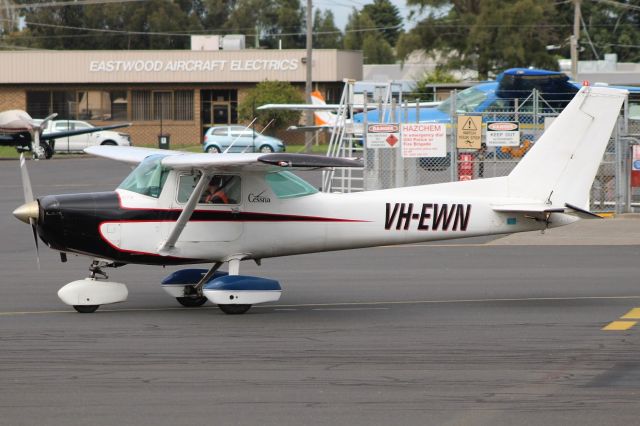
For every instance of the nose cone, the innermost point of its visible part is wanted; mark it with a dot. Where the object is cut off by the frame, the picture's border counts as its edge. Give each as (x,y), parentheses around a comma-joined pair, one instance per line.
(27,211)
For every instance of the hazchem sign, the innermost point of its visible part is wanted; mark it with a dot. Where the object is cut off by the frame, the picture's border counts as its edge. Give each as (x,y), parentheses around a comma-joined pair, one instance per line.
(385,135)
(424,140)
(503,133)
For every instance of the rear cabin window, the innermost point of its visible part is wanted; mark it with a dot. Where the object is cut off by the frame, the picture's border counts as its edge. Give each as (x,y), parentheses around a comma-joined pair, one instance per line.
(287,185)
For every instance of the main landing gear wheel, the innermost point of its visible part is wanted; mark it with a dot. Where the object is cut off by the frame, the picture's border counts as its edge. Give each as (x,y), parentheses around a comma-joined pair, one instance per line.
(234,309)
(86,309)
(191,302)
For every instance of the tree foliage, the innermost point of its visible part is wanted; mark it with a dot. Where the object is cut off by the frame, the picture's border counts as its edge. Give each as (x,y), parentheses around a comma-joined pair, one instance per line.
(271,92)
(486,35)
(421,90)
(386,16)
(359,36)
(607,28)
(326,34)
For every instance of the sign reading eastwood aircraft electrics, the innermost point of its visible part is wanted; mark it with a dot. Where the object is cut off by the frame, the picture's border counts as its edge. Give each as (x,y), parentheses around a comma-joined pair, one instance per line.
(424,140)
(469,132)
(503,133)
(385,135)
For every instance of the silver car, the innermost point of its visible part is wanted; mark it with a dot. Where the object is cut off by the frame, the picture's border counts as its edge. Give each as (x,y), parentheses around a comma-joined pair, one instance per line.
(218,138)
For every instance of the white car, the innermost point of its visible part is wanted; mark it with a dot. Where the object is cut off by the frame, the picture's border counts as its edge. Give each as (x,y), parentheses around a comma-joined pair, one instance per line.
(79,142)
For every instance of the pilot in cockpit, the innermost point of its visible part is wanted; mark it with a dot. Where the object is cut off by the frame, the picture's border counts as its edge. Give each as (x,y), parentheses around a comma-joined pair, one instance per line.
(215,193)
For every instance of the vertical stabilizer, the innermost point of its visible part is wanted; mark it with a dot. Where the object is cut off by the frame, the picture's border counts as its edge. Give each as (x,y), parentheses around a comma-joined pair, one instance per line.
(322,118)
(561,165)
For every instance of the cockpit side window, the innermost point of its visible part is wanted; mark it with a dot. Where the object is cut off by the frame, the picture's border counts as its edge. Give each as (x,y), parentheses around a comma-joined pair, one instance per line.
(221,189)
(148,178)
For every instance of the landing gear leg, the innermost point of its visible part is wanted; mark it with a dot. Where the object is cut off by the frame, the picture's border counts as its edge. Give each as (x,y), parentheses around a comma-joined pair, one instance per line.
(234,309)
(193,296)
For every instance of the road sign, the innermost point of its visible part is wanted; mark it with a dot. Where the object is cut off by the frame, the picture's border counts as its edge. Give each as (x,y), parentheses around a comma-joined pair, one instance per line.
(469,132)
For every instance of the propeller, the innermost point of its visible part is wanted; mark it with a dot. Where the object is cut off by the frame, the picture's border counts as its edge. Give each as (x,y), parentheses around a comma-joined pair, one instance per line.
(29,211)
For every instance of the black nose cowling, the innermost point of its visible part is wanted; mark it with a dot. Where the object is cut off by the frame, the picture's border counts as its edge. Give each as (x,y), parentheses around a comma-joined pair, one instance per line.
(70,222)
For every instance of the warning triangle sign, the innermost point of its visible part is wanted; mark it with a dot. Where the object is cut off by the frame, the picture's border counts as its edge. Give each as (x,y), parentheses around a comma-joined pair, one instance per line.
(469,125)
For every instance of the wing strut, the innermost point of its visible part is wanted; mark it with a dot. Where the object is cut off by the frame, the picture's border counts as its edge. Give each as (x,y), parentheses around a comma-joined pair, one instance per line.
(166,247)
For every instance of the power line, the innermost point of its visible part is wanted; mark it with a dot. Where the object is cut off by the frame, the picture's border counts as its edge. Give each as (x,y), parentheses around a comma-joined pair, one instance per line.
(69,3)
(618,4)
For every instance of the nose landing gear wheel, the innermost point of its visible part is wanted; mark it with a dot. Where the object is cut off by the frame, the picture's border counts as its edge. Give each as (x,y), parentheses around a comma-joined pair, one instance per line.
(86,309)
(234,309)
(191,302)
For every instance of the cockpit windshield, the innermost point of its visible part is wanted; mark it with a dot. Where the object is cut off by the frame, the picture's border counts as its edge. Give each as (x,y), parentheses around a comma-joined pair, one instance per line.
(148,178)
(467,100)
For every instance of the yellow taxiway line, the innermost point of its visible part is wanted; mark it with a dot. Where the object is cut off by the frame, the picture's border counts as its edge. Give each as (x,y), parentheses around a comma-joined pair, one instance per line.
(625,322)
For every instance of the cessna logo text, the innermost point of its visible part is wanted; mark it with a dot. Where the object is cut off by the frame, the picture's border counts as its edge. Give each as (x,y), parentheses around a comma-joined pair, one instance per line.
(258,198)
(428,217)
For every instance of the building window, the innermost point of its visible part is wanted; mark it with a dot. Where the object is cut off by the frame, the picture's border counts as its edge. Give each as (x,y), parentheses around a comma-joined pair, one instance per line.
(78,105)
(166,105)
(141,105)
(218,107)
(45,102)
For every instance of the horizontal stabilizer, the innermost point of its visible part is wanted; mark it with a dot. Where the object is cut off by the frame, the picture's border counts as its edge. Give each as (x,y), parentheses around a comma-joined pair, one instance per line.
(541,209)
(533,208)
(581,213)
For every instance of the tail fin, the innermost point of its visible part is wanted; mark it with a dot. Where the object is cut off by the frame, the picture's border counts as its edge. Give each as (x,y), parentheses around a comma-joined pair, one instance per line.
(561,165)
(322,118)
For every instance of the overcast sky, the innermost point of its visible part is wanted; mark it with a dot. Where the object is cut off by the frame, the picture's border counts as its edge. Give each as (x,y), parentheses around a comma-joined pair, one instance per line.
(343,8)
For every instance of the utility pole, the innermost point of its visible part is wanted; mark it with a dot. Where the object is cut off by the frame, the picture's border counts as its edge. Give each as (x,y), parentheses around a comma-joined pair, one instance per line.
(308,139)
(575,38)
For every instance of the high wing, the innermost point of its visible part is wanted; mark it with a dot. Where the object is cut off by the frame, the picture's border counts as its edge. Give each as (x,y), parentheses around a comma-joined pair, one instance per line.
(303,107)
(180,160)
(57,135)
(335,107)
(7,139)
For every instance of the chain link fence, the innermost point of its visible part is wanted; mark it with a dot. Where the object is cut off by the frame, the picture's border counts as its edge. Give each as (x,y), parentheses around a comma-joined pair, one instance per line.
(386,168)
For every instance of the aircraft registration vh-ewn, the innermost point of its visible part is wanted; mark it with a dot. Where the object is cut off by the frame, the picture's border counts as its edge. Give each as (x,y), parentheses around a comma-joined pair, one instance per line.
(183,208)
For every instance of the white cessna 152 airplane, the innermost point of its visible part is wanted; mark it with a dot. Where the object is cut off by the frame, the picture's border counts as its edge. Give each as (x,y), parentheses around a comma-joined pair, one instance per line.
(181,208)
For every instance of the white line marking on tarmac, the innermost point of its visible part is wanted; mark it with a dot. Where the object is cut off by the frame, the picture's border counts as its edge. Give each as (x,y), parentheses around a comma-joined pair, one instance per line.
(337,305)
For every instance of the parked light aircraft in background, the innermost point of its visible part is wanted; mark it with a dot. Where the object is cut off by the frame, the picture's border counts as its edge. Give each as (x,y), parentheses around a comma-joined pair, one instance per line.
(325,116)
(497,96)
(18,129)
(170,210)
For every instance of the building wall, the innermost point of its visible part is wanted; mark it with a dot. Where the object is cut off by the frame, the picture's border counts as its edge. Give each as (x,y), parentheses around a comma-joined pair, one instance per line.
(12,98)
(112,71)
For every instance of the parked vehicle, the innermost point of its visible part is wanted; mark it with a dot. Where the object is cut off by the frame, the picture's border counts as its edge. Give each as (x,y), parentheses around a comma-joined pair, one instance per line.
(79,142)
(218,138)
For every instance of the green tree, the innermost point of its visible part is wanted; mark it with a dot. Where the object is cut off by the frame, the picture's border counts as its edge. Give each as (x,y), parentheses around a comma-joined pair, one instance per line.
(421,88)
(154,24)
(386,16)
(360,34)
(326,34)
(271,92)
(608,28)
(269,20)
(487,35)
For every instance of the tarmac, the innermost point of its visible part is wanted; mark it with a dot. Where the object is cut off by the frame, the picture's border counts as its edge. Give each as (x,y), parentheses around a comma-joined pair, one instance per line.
(528,329)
